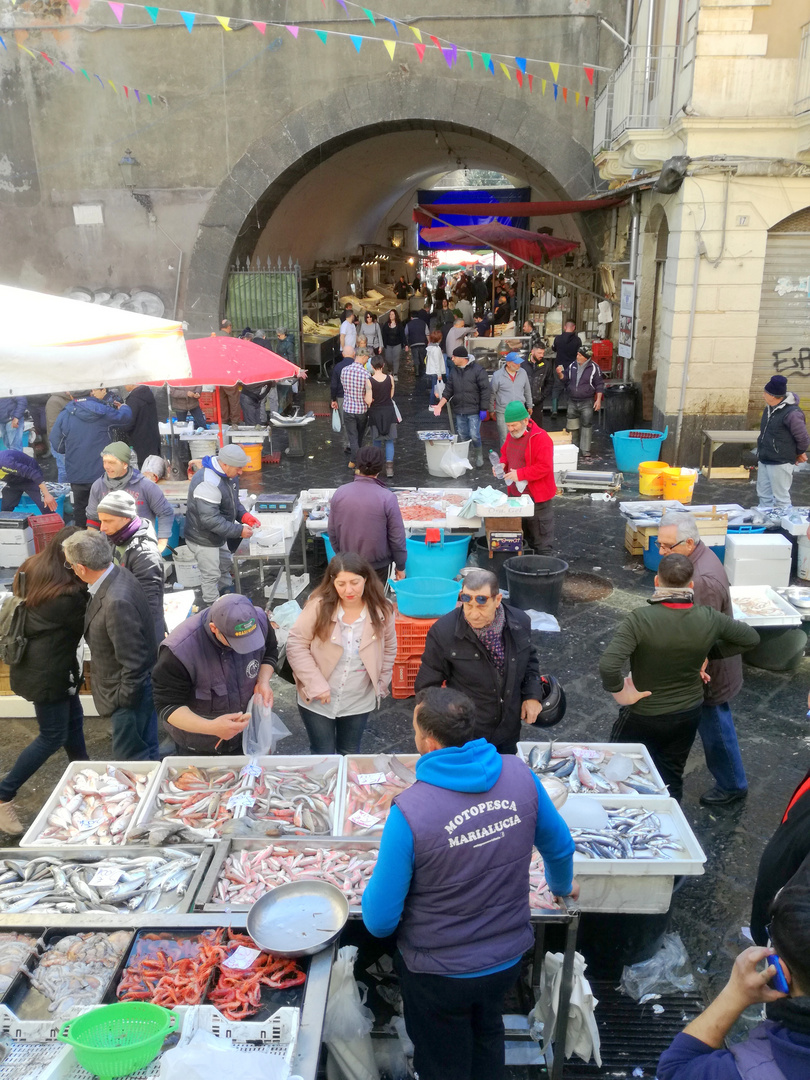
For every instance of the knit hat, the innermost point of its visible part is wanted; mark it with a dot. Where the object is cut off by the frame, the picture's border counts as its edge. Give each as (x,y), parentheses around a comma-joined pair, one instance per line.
(460,351)
(232,455)
(119,450)
(776,386)
(515,411)
(583,350)
(118,504)
(513,358)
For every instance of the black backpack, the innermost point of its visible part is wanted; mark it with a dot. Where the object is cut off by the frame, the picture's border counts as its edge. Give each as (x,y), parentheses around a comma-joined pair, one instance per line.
(13,641)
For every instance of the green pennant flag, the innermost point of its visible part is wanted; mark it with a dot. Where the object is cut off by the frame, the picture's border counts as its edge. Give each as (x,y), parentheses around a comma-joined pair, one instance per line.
(369,15)
(149,98)
(470,58)
(322,34)
(152,12)
(85,74)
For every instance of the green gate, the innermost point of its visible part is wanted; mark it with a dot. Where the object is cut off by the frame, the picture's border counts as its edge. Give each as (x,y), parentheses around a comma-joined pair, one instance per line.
(265,298)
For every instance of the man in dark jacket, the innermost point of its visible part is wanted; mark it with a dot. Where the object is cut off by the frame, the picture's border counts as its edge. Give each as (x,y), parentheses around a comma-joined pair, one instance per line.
(22,476)
(666,643)
(782,444)
(144,433)
(567,344)
(119,629)
(135,548)
(81,432)
(484,649)
(215,518)
(467,386)
(678,534)
(208,669)
(364,517)
(458,901)
(119,475)
(541,378)
(12,421)
(416,332)
(584,386)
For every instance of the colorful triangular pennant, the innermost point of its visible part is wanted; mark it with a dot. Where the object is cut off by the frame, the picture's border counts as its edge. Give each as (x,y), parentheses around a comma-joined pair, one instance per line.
(152,12)
(543,84)
(293,30)
(435,41)
(70,69)
(137,95)
(260,26)
(117,10)
(576,97)
(126,91)
(420,48)
(390,46)
(370,16)
(224,21)
(555,71)
(3,44)
(589,74)
(342,4)
(322,34)
(85,74)
(417,33)
(505,70)
(75,6)
(448,55)
(565,94)
(519,77)
(472,61)
(396,28)
(19,46)
(521,63)
(188,18)
(531,80)
(485,56)
(555,91)
(357,41)
(112,84)
(149,98)
(587,99)
(41,53)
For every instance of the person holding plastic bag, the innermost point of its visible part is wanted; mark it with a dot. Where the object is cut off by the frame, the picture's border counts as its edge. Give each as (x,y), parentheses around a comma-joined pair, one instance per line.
(452,879)
(527,455)
(435,367)
(341,651)
(207,672)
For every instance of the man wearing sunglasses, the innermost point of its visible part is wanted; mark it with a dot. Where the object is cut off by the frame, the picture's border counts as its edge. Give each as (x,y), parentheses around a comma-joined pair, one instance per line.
(483,648)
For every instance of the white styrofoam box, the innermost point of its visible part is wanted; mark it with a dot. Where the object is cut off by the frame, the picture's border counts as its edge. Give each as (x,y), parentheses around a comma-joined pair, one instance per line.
(796,528)
(771,546)
(247,435)
(275,530)
(636,750)
(148,809)
(773,572)
(33,837)
(778,612)
(513,507)
(365,764)
(326,770)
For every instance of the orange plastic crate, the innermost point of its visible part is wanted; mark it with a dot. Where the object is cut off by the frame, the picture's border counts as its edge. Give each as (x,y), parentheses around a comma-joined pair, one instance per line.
(411,635)
(404,676)
(45,527)
(208,406)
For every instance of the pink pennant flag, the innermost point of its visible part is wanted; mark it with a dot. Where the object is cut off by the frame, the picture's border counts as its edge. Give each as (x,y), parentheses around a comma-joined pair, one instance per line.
(117,10)
(126,91)
(420,48)
(293,30)
(260,26)
(45,55)
(75,6)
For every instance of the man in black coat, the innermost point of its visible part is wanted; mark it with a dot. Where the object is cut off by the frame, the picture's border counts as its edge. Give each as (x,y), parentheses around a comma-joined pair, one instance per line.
(143,430)
(119,629)
(484,650)
(467,386)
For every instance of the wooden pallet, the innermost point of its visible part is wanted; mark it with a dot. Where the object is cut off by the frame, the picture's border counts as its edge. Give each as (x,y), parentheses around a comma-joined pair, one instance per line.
(710,525)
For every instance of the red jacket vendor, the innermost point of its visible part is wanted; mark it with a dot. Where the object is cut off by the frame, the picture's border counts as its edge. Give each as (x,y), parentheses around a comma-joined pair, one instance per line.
(528,458)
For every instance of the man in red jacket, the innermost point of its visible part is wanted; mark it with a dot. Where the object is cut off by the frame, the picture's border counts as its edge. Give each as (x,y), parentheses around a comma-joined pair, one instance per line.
(528,457)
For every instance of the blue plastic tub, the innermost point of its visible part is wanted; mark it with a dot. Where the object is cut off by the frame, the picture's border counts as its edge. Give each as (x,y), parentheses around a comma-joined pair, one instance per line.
(425,598)
(652,556)
(442,560)
(632,447)
(27,506)
(330,551)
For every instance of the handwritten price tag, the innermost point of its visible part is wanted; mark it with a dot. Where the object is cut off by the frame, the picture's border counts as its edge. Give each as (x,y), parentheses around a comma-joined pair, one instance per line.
(242,958)
(242,798)
(369,778)
(364,820)
(104,878)
(251,769)
(87,823)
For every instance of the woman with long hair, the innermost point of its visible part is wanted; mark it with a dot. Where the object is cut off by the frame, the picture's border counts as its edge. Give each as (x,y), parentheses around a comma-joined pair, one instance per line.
(381,413)
(341,651)
(48,672)
(393,336)
(371,328)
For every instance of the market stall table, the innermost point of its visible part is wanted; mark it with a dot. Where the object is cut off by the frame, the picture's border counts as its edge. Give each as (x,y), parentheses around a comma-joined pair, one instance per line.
(274,557)
(716,437)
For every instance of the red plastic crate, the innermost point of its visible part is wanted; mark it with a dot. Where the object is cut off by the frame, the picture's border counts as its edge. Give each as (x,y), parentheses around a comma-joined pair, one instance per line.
(602,352)
(208,405)
(45,527)
(411,635)
(404,676)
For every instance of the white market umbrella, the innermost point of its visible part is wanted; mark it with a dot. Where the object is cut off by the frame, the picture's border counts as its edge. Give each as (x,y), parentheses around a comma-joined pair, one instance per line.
(49,343)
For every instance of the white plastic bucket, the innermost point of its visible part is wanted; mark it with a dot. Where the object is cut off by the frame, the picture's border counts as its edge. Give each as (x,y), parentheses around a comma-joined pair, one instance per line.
(803,561)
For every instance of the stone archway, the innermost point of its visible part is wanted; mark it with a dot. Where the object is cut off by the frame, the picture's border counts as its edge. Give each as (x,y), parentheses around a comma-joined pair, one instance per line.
(280,157)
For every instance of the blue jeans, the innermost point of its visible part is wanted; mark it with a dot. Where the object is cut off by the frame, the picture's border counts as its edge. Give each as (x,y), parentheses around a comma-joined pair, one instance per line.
(13,436)
(135,731)
(196,413)
(721,748)
(60,724)
(389,447)
(328,736)
(61,472)
(468,426)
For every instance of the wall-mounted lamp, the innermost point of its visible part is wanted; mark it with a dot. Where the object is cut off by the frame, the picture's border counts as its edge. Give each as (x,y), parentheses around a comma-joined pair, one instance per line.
(396,235)
(126,164)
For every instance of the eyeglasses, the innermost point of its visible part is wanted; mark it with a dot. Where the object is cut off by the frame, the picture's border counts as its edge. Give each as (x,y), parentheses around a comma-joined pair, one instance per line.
(669,547)
(468,598)
(68,565)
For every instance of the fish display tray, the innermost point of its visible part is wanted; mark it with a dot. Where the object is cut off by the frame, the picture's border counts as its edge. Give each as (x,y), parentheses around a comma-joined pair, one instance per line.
(317,767)
(640,886)
(33,837)
(631,749)
(363,764)
(97,854)
(36,933)
(205,897)
(149,808)
(781,612)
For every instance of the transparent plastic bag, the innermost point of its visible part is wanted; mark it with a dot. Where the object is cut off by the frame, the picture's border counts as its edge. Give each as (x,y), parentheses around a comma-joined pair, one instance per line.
(453,465)
(264,730)
(208,1057)
(335,421)
(666,972)
(348,1023)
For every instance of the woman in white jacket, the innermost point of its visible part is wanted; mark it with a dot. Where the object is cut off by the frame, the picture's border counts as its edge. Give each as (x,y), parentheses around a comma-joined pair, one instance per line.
(435,367)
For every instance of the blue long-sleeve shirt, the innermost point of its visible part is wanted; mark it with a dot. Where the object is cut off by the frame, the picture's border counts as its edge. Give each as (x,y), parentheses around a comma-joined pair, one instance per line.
(688,1058)
(474,767)
(12,408)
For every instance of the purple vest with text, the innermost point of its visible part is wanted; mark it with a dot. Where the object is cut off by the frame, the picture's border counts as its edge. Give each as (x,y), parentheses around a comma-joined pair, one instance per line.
(223,679)
(468,905)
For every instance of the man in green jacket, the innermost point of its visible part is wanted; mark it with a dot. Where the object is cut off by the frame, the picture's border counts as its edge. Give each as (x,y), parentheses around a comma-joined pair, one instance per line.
(667,645)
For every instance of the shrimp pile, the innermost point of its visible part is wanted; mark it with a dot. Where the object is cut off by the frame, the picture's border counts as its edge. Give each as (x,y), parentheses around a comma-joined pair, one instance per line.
(237,993)
(172,972)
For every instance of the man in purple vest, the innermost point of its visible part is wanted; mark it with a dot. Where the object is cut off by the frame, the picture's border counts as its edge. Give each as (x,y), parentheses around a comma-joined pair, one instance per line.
(207,671)
(452,878)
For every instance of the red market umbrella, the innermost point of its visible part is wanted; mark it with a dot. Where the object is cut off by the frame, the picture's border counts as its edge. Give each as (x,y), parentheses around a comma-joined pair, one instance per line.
(523,245)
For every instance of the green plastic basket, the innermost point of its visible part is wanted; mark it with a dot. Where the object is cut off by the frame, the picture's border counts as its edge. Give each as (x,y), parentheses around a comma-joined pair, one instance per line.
(117,1040)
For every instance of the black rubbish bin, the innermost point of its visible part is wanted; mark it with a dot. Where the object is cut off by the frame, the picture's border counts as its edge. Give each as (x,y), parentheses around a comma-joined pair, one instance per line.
(536,582)
(620,407)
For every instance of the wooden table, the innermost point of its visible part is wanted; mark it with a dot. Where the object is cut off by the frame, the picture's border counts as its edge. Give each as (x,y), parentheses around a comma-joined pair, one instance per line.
(718,437)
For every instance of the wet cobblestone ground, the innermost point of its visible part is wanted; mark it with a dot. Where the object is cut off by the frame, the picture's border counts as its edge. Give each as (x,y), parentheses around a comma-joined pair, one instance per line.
(770,712)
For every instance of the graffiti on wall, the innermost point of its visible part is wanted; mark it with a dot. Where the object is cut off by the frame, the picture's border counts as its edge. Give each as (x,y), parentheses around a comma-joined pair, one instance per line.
(791,361)
(142,301)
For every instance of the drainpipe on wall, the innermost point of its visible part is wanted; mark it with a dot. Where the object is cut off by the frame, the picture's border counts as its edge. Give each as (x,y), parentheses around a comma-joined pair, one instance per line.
(648,57)
(700,251)
(635,219)
(628,22)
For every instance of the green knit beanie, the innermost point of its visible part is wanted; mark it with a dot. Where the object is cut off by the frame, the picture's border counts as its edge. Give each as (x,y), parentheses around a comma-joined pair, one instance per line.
(119,450)
(515,411)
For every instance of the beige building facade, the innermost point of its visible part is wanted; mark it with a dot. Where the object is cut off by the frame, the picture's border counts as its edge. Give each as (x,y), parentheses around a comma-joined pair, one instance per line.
(722,261)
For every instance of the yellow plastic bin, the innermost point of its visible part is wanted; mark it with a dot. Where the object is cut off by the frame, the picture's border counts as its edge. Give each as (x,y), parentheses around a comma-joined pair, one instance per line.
(650,480)
(254,453)
(679,484)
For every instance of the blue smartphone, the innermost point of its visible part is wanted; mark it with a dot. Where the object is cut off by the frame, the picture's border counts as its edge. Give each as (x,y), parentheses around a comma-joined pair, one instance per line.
(778,982)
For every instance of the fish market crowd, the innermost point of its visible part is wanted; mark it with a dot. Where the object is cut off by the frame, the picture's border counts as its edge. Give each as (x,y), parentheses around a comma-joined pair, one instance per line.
(452,851)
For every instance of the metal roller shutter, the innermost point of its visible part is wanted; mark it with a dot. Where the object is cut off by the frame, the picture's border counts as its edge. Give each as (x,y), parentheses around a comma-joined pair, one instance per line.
(783,335)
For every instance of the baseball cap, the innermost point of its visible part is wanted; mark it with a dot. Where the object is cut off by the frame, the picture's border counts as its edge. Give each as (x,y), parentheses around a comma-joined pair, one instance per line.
(235,618)
(232,454)
(513,358)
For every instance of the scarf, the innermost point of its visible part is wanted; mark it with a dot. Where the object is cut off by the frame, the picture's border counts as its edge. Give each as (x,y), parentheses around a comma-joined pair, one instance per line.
(123,536)
(115,483)
(793,1013)
(666,595)
(491,637)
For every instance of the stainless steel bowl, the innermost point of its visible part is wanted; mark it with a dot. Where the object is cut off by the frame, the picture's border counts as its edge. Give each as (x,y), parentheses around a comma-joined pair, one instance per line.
(298,919)
(798,596)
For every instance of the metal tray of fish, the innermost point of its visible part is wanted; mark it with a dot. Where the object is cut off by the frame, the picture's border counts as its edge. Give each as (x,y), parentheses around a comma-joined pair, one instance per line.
(564,766)
(77,810)
(295,795)
(207,899)
(371,783)
(17,950)
(78,983)
(66,880)
(204,813)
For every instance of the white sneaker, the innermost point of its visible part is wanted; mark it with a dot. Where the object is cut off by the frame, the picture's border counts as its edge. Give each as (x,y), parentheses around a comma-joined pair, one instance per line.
(9,822)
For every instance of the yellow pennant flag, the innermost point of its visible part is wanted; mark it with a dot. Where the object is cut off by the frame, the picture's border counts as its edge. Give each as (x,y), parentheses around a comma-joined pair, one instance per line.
(390,46)
(112,84)
(555,71)
(505,70)
(576,97)
(19,46)
(543,84)
(224,21)
(417,33)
